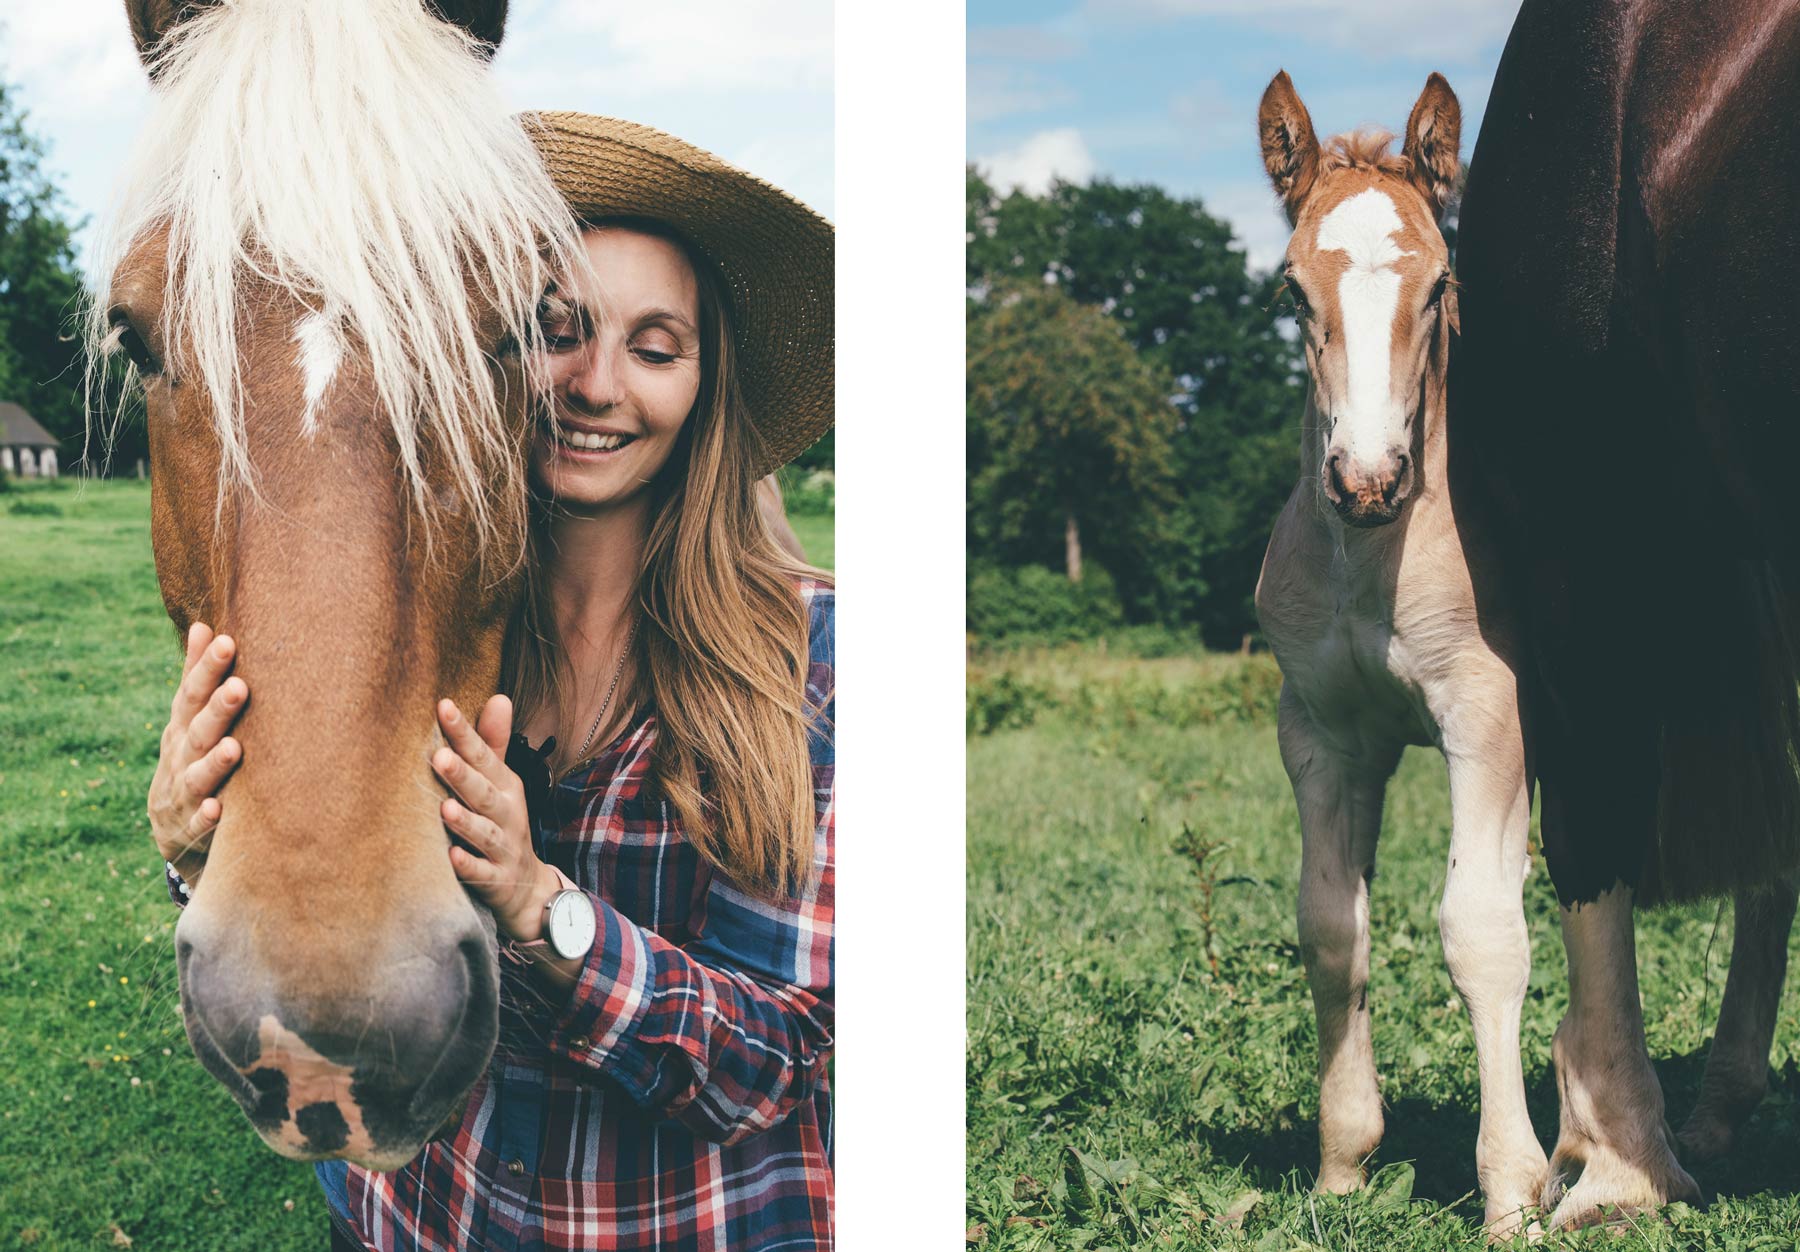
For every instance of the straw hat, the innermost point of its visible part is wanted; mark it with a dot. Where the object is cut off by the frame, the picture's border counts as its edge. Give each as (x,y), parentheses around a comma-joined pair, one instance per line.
(775,255)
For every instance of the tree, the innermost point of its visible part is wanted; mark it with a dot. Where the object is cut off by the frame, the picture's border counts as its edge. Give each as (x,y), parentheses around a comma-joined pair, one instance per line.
(40,285)
(1168,274)
(1069,435)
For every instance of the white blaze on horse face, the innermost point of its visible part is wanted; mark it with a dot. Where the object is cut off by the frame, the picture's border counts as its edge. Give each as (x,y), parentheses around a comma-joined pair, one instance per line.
(1362,228)
(321,352)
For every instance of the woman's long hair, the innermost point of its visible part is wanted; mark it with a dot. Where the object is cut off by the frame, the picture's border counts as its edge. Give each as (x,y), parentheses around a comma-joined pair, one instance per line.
(721,652)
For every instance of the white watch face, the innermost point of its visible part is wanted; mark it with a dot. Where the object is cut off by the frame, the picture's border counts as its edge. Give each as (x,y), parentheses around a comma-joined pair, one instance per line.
(571,926)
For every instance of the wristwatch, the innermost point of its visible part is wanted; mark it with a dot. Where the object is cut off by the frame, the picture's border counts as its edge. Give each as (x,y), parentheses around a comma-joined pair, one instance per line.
(568,922)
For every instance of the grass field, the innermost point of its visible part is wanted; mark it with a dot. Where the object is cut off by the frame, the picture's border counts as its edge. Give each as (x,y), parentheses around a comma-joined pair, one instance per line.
(1141,1048)
(109,1129)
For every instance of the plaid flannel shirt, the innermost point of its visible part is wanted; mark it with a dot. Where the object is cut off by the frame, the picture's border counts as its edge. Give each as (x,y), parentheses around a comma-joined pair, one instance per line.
(680,1098)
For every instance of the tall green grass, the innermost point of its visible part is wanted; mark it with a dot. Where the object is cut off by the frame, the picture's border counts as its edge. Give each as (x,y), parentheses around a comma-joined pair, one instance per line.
(109,1129)
(1141,1051)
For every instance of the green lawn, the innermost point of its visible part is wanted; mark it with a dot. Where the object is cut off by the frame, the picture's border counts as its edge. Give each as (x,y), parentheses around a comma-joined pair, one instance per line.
(1125,1093)
(109,1129)
(817,533)
(106,1120)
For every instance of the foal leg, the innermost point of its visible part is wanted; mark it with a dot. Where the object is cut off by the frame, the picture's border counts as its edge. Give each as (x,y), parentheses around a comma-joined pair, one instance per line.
(1613,1133)
(1339,798)
(1737,1067)
(1488,950)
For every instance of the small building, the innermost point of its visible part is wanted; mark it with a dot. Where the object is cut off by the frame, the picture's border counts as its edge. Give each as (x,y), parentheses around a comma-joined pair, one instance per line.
(26,448)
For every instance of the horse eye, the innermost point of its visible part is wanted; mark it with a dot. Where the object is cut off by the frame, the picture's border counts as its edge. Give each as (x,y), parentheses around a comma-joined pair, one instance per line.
(127,339)
(1437,292)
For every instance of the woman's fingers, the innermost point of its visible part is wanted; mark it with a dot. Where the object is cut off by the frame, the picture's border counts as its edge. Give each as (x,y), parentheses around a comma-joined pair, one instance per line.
(476,871)
(467,782)
(198,636)
(205,776)
(482,835)
(201,680)
(495,725)
(463,737)
(211,722)
(199,832)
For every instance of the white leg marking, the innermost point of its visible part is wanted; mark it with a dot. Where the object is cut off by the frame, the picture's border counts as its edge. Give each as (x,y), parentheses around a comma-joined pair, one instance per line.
(321,352)
(1488,950)
(1612,1105)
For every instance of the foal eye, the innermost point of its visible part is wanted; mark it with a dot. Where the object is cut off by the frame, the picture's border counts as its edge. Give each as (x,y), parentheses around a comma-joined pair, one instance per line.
(1437,292)
(126,339)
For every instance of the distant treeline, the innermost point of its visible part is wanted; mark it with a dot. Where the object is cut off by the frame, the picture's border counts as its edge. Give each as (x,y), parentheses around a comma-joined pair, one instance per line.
(40,291)
(1133,414)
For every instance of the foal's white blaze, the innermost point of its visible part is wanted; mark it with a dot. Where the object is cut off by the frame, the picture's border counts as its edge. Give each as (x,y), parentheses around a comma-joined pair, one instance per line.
(321,352)
(1362,228)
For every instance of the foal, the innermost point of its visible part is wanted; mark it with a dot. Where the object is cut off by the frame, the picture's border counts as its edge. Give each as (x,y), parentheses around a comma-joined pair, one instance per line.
(1368,596)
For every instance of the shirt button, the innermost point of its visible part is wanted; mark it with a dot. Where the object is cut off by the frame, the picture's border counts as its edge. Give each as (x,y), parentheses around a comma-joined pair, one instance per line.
(579,1043)
(515,1168)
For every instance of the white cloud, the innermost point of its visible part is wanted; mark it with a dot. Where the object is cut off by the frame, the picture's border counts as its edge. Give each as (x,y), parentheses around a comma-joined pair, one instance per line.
(1401,28)
(1255,216)
(751,80)
(708,46)
(1044,157)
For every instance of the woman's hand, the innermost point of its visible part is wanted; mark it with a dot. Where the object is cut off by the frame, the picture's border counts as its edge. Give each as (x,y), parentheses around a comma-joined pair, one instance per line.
(495,858)
(197,756)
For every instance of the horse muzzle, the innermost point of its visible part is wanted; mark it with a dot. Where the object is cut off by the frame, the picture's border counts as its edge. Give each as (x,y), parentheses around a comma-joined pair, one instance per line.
(1367,495)
(367,1070)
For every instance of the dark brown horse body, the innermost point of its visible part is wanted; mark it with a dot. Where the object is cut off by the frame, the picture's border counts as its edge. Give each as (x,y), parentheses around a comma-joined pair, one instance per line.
(1626,401)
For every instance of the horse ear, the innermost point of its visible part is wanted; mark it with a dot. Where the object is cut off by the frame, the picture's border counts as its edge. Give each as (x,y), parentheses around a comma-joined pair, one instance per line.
(1290,149)
(152,19)
(1433,137)
(484,19)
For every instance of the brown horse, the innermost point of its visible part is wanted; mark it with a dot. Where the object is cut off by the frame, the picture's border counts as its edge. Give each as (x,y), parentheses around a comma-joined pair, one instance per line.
(1625,408)
(327,261)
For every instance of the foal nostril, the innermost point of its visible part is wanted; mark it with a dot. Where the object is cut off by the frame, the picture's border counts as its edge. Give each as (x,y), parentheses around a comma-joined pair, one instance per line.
(1334,477)
(1396,479)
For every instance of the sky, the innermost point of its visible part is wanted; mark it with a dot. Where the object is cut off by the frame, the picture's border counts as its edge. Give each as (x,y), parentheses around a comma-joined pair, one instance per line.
(1165,91)
(750,80)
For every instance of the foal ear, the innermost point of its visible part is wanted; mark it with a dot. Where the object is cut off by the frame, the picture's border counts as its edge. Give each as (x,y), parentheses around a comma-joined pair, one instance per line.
(1433,136)
(1290,149)
(484,19)
(152,19)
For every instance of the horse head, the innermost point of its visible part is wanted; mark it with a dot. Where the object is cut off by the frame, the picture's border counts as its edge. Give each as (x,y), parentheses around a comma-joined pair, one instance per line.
(324,270)
(1370,277)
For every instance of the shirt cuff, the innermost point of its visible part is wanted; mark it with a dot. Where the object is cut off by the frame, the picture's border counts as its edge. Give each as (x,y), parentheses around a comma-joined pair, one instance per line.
(610,997)
(179,891)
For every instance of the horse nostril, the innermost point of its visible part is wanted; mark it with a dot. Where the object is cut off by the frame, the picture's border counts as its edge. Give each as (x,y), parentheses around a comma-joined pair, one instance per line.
(1334,481)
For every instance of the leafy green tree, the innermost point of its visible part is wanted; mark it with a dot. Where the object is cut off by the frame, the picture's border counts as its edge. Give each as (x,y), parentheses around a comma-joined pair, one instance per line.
(1168,274)
(1069,432)
(40,284)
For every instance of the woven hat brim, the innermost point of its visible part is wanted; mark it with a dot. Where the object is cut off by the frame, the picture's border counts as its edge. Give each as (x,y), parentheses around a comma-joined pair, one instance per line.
(776,256)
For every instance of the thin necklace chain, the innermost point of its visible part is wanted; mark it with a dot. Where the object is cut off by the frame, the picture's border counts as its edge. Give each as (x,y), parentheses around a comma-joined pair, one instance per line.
(618,671)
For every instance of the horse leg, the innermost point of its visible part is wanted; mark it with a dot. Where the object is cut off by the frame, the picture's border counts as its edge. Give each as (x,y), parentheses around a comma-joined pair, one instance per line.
(1737,1066)
(1613,1136)
(1339,799)
(1488,950)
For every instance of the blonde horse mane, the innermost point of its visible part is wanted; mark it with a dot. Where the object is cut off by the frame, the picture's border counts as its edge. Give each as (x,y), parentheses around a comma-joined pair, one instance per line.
(356,154)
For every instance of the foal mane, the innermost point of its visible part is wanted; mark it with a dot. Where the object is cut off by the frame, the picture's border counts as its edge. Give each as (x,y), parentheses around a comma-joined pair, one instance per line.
(355,154)
(1365,149)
